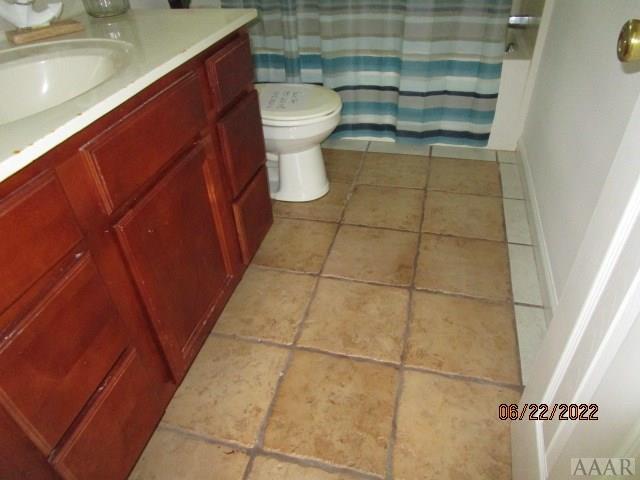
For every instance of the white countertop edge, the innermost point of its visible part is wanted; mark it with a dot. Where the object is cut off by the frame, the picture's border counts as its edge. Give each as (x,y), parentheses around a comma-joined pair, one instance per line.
(26,156)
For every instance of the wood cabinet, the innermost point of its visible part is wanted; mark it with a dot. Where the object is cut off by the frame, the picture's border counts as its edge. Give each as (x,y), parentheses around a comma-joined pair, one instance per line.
(120,248)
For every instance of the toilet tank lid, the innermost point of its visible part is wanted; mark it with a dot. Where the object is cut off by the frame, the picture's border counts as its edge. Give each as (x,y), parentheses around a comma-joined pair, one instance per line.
(289,101)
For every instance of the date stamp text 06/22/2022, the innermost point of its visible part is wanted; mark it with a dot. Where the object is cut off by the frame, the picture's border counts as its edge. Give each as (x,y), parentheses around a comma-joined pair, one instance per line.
(543,411)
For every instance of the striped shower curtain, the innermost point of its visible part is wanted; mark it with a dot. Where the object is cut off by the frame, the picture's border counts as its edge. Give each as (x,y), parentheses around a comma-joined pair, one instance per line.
(421,71)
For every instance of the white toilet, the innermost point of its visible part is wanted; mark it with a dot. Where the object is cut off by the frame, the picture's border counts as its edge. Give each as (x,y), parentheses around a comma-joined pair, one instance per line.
(295,120)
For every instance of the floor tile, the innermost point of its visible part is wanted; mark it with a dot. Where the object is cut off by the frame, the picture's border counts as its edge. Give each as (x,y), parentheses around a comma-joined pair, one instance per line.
(532,328)
(346,144)
(511,182)
(265,468)
(464,176)
(450,429)
(328,208)
(524,276)
(267,304)
(464,215)
(357,319)
(394,170)
(296,245)
(463,336)
(171,455)
(228,389)
(342,165)
(505,156)
(396,147)
(478,268)
(334,409)
(373,254)
(517,221)
(467,153)
(399,208)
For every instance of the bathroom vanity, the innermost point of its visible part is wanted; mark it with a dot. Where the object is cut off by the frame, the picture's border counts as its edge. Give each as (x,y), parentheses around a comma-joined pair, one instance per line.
(124,229)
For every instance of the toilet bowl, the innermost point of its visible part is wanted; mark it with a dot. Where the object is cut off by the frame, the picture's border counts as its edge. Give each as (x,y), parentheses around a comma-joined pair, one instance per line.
(295,120)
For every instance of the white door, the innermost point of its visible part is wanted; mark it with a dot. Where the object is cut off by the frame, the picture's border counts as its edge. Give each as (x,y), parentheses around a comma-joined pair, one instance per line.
(591,354)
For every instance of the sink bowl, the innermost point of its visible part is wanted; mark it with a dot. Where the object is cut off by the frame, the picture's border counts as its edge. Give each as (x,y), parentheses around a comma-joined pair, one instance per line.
(38,77)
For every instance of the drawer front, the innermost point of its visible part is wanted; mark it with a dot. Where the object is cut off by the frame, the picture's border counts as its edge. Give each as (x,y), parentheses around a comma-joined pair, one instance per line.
(137,147)
(37,229)
(242,142)
(60,353)
(253,215)
(112,434)
(230,72)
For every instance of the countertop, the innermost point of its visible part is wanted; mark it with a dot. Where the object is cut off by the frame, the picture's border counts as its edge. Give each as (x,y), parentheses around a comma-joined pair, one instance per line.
(161,40)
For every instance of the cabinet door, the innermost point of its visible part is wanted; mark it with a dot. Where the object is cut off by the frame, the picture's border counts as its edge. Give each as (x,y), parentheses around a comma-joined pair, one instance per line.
(170,241)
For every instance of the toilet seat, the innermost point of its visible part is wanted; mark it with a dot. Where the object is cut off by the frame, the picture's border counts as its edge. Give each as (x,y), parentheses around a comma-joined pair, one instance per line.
(283,104)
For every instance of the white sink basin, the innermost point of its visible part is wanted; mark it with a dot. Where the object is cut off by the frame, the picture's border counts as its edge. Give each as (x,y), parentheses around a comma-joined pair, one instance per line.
(38,77)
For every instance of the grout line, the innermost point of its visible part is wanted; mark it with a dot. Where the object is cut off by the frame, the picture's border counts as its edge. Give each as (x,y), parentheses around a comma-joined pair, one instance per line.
(367,360)
(471,194)
(531,305)
(405,338)
(255,451)
(521,244)
(368,282)
(464,378)
(403,187)
(493,301)
(203,437)
(300,327)
(514,323)
(248,339)
(392,229)
(267,415)
(305,348)
(394,424)
(311,462)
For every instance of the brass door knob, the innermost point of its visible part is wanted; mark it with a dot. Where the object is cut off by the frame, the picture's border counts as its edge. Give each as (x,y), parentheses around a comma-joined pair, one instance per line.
(629,42)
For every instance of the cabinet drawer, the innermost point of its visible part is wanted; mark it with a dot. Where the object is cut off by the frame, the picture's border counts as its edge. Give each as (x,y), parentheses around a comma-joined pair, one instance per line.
(37,229)
(116,427)
(137,147)
(253,215)
(230,72)
(242,142)
(60,353)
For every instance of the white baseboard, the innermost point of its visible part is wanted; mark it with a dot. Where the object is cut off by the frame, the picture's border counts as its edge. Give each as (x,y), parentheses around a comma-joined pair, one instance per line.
(527,451)
(543,259)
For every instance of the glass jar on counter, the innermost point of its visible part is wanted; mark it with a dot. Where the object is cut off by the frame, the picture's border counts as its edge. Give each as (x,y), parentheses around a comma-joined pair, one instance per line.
(105,8)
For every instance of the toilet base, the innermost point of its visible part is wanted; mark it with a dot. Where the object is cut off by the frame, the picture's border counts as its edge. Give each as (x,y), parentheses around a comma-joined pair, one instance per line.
(302,176)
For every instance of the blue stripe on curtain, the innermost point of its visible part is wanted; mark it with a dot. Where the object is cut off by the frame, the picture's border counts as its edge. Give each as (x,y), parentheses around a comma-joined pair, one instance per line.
(419,71)
(381,64)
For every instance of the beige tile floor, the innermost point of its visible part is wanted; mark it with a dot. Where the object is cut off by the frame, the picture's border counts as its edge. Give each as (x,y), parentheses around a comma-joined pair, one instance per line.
(373,337)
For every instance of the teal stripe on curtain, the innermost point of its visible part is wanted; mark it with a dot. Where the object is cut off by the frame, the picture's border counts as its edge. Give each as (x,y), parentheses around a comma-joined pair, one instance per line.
(420,71)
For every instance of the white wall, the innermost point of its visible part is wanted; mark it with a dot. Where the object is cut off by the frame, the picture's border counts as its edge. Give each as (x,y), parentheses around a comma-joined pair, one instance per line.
(580,106)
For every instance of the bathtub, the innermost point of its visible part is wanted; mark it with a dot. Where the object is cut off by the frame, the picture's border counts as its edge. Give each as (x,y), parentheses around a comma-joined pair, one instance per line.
(515,68)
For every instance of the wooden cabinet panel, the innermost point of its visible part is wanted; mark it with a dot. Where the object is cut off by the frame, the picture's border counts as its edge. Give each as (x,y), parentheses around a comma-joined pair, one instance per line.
(20,458)
(137,147)
(170,241)
(253,215)
(37,229)
(59,354)
(242,140)
(230,72)
(112,434)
